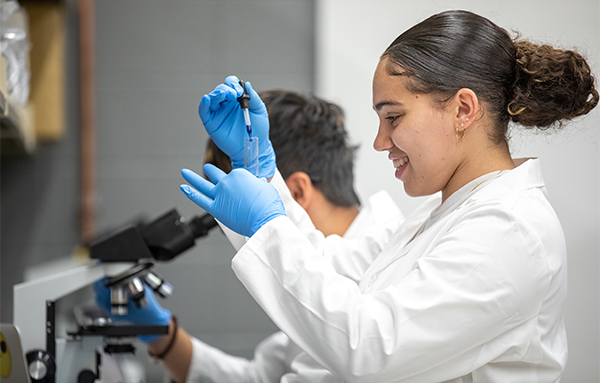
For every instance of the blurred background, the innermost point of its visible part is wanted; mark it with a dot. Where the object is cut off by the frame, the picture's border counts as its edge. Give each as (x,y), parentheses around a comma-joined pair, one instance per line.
(152,61)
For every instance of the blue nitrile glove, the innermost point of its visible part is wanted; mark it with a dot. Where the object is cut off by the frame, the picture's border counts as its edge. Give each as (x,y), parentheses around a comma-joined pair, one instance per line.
(239,200)
(151,314)
(223,120)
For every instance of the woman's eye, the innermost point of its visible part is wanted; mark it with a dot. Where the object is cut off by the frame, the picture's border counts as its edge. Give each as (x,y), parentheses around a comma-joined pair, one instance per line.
(392,119)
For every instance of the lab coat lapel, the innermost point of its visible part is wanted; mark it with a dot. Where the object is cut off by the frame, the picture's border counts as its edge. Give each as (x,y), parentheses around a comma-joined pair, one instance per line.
(400,246)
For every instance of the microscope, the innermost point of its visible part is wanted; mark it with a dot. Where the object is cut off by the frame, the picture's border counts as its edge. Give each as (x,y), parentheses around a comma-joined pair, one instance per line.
(126,258)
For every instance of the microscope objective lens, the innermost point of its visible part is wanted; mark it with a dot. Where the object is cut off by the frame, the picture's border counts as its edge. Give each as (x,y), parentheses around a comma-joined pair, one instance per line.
(118,300)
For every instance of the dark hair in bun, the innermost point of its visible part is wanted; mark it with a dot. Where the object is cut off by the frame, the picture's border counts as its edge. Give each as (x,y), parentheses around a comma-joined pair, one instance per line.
(533,85)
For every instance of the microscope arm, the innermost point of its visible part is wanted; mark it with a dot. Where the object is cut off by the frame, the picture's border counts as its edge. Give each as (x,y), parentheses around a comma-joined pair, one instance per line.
(30,298)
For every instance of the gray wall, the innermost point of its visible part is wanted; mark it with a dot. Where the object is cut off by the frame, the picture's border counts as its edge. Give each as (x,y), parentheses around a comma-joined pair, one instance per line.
(155,59)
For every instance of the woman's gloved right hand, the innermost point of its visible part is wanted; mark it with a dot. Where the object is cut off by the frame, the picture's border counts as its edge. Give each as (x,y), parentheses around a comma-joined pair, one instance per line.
(223,120)
(151,314)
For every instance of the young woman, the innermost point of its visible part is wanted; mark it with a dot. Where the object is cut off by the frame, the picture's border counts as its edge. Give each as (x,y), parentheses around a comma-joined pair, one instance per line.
(471,287)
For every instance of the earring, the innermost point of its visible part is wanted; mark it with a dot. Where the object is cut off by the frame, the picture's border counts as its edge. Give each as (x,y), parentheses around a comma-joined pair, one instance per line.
(466,118)
(460,136)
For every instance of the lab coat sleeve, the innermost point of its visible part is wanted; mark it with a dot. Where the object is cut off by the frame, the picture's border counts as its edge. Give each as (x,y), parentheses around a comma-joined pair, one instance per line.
(270,363)
(348,257)
(444,319)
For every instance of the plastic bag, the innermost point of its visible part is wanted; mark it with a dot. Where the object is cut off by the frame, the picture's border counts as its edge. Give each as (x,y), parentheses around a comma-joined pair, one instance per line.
(15,47)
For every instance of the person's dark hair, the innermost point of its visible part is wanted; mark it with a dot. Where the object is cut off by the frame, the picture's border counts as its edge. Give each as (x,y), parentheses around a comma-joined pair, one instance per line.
(533,85)
(214,155)
(308,135)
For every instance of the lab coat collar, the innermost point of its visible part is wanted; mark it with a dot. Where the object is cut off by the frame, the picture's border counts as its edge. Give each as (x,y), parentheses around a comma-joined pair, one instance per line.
(527,174)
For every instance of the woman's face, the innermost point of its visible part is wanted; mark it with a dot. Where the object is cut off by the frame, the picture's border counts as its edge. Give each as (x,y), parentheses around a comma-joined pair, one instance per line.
(418,134)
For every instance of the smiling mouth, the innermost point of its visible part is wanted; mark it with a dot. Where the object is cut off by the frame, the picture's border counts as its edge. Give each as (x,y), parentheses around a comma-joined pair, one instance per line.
(400,162)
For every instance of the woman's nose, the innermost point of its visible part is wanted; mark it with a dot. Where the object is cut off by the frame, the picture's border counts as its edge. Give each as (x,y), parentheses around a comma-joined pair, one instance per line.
(382,140)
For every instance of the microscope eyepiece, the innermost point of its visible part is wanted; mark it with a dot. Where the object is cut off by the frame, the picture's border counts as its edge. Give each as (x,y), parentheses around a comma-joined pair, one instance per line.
(201,225)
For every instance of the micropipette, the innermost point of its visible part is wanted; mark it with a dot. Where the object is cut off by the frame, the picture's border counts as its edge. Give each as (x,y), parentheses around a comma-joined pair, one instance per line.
(250,143)
(244,101)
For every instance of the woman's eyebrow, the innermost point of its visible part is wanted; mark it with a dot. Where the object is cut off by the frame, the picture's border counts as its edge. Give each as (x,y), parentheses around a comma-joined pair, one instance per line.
(381,104)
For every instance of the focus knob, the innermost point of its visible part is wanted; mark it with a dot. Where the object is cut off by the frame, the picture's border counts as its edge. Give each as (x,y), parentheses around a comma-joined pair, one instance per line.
(40,366)
(86,376)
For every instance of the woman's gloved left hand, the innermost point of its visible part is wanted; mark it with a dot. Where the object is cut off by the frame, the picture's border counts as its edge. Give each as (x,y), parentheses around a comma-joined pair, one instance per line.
(223,120)
(151,314)
(239,200)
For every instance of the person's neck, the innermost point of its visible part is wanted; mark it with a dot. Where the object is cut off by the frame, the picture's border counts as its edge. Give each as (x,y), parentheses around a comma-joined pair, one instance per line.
(491,160)
(333,219)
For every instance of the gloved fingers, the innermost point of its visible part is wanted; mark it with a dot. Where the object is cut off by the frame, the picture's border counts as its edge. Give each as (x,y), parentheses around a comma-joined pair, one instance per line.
(232,79)
(198,198)
(100,287)
(204,109)
(204,186)
(214,173)
(102,294)
(256,104)
(151,312)
(150,297)
(210,103)
(234,82)
(221,93)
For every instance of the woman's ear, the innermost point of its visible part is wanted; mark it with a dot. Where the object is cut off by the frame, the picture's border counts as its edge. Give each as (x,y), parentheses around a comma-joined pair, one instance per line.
(467,107)
(301,188)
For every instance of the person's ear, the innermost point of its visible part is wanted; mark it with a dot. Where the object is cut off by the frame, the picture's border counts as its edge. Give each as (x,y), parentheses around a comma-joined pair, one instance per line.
(301,188)
(467,107)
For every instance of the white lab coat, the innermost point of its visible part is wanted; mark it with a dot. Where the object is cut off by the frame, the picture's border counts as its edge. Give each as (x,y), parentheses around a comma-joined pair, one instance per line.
(476,296)
(276,354)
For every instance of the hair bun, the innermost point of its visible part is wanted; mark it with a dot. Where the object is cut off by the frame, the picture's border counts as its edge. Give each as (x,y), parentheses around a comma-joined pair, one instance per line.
(551,86)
